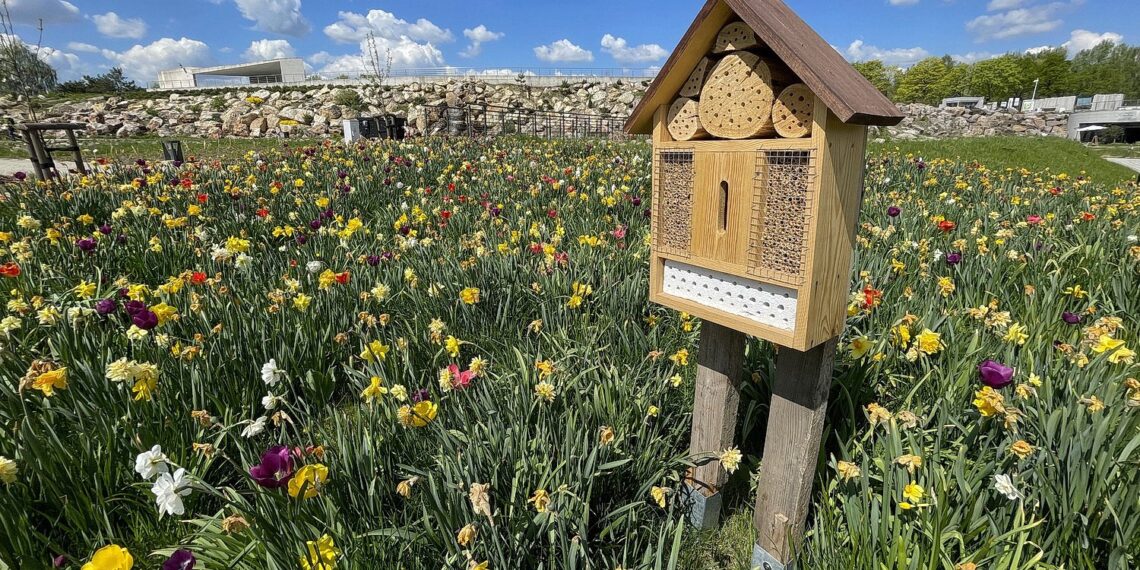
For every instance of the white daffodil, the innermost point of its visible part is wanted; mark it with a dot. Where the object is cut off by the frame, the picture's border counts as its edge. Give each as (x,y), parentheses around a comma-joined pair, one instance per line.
(271,401)
(270,373)
(1004,485)
(168,492)
(151,463)
(313,266)
(255,427)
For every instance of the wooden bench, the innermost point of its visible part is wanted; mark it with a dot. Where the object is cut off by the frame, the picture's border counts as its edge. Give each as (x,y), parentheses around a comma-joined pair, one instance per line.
(40,153)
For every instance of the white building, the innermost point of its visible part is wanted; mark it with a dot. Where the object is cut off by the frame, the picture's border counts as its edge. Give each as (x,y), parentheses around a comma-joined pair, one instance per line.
(290,70)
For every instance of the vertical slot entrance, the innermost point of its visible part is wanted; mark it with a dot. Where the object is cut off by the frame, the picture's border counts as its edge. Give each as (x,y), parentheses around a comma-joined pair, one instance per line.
(723,205)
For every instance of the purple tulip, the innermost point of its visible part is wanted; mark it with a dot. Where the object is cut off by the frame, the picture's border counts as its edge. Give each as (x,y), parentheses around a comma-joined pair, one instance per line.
(275,469)
(106,306)
(105,229)
(86,244)
(182,559)
(953,258)
(420,395)
(302,239)
(1071,318)
(141,162)
(995,374)
(177,164)
(134,307)
(495,211)
(373,260)
(894,211)
(21,176)
(387,255)
(328,214)
(636,201)
(145,320)
(59,561)
(315,225)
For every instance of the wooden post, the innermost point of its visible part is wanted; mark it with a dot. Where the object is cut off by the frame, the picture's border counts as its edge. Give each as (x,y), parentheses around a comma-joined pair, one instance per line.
(720,362)
(791,451)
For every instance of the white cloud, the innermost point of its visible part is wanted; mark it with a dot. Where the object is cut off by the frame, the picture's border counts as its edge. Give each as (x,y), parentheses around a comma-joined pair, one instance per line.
(82,47)
(262,50)
(142,63)
(479,35)
(114,26)
(277,16)
(1019,22)
(999,5)
(562,51)
(860,51)
(624,53)
(1081,40)
(902,2)
(352,28)
(973,56)
(50,11)
(66,65)
(1038,49)
(409,44)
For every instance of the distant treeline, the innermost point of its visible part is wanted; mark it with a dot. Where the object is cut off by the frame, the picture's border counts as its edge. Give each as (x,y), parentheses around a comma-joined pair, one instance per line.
(1106,68)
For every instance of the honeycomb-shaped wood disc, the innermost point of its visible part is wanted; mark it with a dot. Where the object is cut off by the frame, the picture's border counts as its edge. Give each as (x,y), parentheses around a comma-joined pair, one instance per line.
(735,36)
(792,112)
(683,120)
(692,86)
(736,101)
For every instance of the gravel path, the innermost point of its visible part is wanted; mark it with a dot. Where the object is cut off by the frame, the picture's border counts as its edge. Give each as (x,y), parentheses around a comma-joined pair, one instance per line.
(1133,163)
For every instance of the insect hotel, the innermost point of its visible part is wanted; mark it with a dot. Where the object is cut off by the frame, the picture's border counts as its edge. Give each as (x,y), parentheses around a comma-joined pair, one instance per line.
(759,130)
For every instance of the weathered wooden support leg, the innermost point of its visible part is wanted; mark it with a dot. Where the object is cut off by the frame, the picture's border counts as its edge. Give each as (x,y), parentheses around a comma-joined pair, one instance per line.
(720,362)
(791,451)
(71,140)
(27,134)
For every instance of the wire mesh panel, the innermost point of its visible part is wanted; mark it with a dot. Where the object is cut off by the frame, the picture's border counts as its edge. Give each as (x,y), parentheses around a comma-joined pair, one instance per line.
(782,205)
(672,224)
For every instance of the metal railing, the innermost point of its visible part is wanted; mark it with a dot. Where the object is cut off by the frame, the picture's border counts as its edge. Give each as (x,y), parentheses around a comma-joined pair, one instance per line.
(493,120)
(205,81)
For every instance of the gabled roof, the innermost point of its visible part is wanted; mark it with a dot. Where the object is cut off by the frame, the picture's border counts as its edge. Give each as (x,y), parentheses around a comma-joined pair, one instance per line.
(843,89)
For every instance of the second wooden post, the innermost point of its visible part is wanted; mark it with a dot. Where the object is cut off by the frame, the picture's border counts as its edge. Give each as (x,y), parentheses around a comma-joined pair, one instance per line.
(720,362)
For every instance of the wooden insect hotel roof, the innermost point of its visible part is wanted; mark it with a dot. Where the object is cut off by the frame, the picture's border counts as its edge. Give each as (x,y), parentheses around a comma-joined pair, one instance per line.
(843,89)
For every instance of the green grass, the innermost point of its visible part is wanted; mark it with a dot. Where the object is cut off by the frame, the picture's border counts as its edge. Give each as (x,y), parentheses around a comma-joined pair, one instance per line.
(1117,150)
(1040,154)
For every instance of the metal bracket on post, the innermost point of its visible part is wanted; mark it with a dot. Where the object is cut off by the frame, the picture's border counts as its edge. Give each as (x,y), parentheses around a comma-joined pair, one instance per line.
(762,560)
(704,510)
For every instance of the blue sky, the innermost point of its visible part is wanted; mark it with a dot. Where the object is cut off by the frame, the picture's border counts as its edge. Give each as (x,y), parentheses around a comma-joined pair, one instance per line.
(145,36)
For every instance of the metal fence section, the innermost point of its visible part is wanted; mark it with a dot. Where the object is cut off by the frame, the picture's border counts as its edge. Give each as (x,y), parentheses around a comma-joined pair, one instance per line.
(407,75)
(492,121)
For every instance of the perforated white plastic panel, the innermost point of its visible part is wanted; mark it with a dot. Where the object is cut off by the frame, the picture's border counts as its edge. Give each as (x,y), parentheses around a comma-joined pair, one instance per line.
(770,305)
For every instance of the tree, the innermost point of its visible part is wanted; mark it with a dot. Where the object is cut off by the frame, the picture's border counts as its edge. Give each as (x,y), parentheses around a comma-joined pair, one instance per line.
(997,79)
(1108,68)
(881,76)
(925,82)
(22,72)
(111,82)
(1051,68)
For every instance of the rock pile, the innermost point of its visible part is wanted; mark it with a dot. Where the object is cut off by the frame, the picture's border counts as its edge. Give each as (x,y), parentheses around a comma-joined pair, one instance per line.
(926,122)
(319,111)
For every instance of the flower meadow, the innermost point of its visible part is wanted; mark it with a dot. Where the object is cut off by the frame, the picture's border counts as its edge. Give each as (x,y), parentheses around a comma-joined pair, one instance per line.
(440,354)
